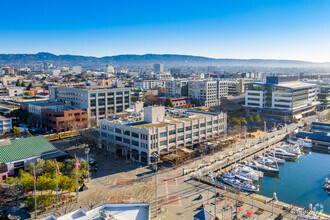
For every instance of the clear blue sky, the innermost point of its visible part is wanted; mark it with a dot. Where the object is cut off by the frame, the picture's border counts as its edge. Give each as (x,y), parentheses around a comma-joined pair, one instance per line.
(279,29)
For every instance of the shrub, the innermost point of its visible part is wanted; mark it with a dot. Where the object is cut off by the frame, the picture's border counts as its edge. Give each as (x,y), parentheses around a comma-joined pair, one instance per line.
(42,200)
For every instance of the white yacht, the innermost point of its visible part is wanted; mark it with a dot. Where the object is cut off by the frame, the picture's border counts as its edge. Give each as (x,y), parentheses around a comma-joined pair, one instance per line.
(249,175)
(278,160)
(305,143)
(291,149)
(264,168)
(249,170)
(281,153)
(241,186)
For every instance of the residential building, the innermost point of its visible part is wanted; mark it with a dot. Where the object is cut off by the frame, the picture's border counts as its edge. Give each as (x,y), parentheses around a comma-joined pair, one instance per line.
(179,102)
(176,88)
(149,84)
(131,211)
(158,129)
(5,125)
(158,68)
(236,88)
(101,102)
(281,98)
(17,154)
(11,91)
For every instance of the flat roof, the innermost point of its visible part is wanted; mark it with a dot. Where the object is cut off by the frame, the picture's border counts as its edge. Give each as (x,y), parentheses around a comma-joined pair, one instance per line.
(290,85)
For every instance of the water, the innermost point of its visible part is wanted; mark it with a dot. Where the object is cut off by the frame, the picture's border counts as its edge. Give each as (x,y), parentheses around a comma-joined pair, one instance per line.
(301,182)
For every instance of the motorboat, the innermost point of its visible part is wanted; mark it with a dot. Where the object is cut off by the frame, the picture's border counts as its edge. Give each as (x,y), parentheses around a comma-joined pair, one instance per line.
(229,175)
(291,149)
(249,170)
(235,175)
(265,160)
(241,185)
(281,153)
(277,160)
(249,175)
(264,168)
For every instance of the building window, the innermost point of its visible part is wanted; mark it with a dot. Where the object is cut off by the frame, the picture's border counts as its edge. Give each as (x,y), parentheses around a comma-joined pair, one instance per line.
(162,143)
(101,94)
(171,132)
(111,129)
(136,135)
(188,128)
(196,134)
(172,140)
(93,103)
(215,121)
(163,134)
(127,141)
(180,130)
(209,123)
(196,126)
(118,130)
(93,95)
(180,138)
(118,138)
(203,125)
(209,130)
(128,133)
(188,135)
(119,93)
(203,132)
(110,93)
(127,92)
(135,143)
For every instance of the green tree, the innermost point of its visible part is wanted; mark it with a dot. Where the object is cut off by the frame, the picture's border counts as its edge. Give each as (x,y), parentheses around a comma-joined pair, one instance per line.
(26,180)
(169,102)
(249,119)
(42,200)
(18,83)
(45,182)
(16,130)
(234,122)
(29,86)
(256,118)
(23,84)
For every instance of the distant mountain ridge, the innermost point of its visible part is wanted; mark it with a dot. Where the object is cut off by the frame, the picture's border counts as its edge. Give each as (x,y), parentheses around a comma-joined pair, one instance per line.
(168,60)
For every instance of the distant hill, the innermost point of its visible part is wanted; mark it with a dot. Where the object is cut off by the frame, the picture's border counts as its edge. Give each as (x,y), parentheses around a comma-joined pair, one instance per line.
(169,60)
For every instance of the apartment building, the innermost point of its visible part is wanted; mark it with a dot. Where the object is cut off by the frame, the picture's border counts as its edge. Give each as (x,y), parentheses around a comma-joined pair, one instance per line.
(177,87)
(160,130)
(236,88)
(149,84)
(281,98)
(5,125)
(101,102)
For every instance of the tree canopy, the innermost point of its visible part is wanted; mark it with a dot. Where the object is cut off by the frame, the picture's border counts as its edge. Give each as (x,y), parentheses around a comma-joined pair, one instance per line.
(169,102)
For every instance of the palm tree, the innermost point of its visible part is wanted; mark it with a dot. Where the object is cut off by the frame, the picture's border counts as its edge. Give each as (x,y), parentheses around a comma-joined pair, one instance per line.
(249,119)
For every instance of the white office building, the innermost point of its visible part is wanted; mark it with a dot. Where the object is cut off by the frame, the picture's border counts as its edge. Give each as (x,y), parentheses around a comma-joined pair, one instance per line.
(281,98)
(160,130)
(149,84)
(76,69)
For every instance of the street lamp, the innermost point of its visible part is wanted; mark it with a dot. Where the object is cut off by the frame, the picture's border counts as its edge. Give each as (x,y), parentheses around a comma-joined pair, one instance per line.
(87,159)
(155,156)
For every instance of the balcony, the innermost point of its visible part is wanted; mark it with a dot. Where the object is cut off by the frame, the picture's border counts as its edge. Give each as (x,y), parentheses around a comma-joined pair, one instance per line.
(3,168)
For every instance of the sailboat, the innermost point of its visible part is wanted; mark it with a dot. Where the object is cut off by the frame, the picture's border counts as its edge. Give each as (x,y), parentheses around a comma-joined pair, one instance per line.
(264,168)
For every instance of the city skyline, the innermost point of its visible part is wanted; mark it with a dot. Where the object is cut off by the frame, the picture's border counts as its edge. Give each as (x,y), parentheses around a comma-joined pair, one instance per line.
(294,30)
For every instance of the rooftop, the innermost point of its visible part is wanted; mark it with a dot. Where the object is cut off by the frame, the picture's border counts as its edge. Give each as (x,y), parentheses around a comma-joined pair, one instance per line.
(290,85)
(132,211)
(18,149)
(172,116)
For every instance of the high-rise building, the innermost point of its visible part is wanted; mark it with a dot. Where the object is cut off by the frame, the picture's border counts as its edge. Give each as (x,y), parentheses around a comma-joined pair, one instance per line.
(76,69)
(149,84)
(281,98)
(158,68)
(176,88)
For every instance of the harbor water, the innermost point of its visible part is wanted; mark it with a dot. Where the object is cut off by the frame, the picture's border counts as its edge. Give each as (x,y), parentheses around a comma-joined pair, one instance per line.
(300,182)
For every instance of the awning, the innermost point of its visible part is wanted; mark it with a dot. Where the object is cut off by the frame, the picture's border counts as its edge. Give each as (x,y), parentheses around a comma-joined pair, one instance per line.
(186,150)
(298,117)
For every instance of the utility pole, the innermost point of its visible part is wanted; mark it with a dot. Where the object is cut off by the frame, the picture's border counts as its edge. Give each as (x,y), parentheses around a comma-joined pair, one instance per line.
(77,167)
(155,155)
(215,195)
(87,159)
(35,192)
(56,188)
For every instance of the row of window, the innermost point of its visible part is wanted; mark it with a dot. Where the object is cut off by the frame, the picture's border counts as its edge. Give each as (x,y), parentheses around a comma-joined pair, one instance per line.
(92,95)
